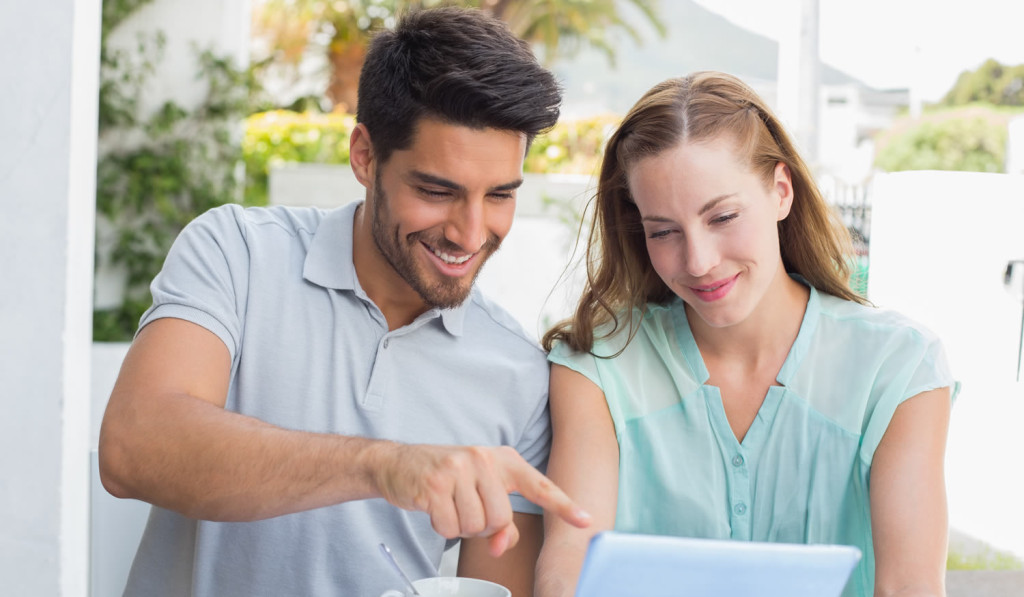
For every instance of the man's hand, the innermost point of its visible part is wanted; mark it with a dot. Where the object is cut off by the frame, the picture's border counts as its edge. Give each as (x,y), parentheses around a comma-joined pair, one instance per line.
(465,490)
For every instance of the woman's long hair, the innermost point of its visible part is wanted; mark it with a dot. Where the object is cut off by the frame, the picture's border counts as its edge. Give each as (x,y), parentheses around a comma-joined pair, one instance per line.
(701,106)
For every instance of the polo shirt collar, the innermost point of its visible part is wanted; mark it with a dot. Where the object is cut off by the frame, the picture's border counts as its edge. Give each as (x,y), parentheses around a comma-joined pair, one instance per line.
(329,264)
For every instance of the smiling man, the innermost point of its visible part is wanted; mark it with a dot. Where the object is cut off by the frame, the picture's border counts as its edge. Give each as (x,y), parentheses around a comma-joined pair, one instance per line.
(309,384)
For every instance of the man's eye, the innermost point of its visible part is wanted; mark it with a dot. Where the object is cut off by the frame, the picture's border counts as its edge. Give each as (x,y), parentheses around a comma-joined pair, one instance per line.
(433,192)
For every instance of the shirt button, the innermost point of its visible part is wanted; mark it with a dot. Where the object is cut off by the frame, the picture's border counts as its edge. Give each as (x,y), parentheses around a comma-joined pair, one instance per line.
(740,509)
(386,340)
(737,460)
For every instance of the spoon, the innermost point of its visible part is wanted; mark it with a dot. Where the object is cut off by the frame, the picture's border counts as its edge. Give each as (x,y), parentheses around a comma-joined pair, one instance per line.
(394,564)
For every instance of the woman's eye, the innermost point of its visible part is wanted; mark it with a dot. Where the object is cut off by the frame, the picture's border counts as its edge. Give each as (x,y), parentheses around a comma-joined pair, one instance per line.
(658,234)
(724,219)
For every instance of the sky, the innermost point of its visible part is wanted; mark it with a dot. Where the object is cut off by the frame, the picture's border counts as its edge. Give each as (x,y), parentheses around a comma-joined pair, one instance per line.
(922,45)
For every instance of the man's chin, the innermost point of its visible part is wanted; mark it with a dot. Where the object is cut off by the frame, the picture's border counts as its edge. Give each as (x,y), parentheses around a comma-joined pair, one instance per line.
(446,298)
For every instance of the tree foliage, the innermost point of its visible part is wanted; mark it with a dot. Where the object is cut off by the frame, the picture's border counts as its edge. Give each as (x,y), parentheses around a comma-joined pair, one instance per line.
(971,139)
(967,131)
(992,83)
(340,30)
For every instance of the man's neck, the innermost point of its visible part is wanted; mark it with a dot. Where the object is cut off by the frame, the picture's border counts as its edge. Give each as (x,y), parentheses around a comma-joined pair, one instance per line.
(399,303)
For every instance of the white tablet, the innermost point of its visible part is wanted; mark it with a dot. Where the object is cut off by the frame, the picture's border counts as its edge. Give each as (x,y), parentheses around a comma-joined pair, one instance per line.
(623,564)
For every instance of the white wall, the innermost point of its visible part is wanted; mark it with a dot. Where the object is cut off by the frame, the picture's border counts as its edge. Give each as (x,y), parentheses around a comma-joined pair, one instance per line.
(940,242)
(47,181)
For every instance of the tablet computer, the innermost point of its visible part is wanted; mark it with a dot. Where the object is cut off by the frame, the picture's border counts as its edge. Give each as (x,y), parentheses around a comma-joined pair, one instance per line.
(619,564)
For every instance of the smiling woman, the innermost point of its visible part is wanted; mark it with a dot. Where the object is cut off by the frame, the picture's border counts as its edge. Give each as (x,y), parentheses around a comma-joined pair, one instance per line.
(720,379)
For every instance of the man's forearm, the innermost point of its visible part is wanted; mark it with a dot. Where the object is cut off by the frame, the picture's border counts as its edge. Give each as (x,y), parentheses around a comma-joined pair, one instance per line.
(197,459)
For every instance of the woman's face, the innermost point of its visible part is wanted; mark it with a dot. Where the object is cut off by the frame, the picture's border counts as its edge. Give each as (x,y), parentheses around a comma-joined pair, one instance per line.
(711,226)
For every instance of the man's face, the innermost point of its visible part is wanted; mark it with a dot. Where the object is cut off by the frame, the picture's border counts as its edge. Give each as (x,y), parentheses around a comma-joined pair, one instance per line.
(442,207)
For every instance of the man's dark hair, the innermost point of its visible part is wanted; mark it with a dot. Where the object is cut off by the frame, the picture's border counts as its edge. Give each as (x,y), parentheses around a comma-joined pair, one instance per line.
(460,66)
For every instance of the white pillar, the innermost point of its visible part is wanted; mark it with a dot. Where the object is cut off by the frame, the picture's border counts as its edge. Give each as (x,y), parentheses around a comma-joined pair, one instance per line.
(47,199)
(799,80)
(1015,146)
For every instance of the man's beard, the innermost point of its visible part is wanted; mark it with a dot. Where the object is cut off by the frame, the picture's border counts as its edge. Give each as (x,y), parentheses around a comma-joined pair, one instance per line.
(446,292)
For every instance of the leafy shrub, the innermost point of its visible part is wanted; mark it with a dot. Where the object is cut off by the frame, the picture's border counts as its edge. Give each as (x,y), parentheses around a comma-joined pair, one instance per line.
(984,558)
(281,136)
(971,139)
(278,136)
(572,146)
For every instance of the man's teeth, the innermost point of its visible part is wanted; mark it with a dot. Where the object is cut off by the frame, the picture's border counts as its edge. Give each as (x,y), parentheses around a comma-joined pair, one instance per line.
(445,257)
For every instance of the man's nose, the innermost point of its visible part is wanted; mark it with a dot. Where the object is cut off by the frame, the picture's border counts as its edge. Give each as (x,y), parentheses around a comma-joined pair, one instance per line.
(465,225)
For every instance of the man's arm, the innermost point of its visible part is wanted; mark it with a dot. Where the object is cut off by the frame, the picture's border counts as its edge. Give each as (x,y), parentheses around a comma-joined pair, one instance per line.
(908,499)
(166,439)
(585,462)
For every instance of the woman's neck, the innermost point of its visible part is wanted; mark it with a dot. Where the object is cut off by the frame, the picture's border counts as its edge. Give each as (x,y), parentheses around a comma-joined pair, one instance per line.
(765,337)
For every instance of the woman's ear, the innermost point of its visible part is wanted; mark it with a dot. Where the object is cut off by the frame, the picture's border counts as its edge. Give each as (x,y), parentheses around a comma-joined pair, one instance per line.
(783,187)
(360,155)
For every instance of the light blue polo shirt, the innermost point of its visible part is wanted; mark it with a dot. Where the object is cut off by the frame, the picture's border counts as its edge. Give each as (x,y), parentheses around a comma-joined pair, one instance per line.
(801,473)
(310,351)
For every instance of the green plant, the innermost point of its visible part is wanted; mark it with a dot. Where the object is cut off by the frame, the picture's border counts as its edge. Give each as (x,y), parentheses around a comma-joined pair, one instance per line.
(278,136)
(156,172)
(983,558)
(572,146)
(992,83)
(971,138)
(281,136)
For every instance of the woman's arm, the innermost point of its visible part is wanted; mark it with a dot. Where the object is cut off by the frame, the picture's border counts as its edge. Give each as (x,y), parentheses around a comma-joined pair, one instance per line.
(584,462)
(908,499)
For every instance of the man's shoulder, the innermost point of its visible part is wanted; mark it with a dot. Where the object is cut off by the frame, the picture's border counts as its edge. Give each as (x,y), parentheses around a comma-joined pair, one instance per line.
(498,321)
(291,220)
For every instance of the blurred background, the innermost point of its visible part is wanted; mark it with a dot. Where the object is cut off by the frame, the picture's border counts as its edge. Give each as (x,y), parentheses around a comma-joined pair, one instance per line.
(125,119)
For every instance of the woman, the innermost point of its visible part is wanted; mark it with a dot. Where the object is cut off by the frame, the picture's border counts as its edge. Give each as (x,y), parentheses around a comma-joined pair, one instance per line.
(719,377)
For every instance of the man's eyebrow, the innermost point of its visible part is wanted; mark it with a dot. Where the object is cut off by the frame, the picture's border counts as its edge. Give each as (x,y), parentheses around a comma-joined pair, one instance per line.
(509,186)
(436,180)
(423,177)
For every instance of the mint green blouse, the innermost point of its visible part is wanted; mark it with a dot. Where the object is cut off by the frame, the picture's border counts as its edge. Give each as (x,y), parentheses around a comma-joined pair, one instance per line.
(801,473)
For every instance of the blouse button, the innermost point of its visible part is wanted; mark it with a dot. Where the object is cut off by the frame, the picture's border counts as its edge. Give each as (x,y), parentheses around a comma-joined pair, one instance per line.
(737,460)
(740,509)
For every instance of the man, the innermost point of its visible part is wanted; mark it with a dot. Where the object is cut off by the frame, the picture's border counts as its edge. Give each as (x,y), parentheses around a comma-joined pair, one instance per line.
(307,383)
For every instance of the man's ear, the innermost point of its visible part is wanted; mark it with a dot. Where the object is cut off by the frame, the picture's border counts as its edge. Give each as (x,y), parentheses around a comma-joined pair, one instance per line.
(783,187)
(360,155)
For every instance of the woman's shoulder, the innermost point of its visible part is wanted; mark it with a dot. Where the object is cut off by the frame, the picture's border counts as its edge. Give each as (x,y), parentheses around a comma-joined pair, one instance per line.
(629,332)
(850,317)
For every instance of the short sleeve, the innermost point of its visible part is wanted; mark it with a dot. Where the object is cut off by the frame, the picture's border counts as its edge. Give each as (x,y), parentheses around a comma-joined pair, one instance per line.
(916,362)
(583,363)
(204,278)
(534,444)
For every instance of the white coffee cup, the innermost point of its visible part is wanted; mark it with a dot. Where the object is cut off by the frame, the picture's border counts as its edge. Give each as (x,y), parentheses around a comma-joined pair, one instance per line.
(454,586)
